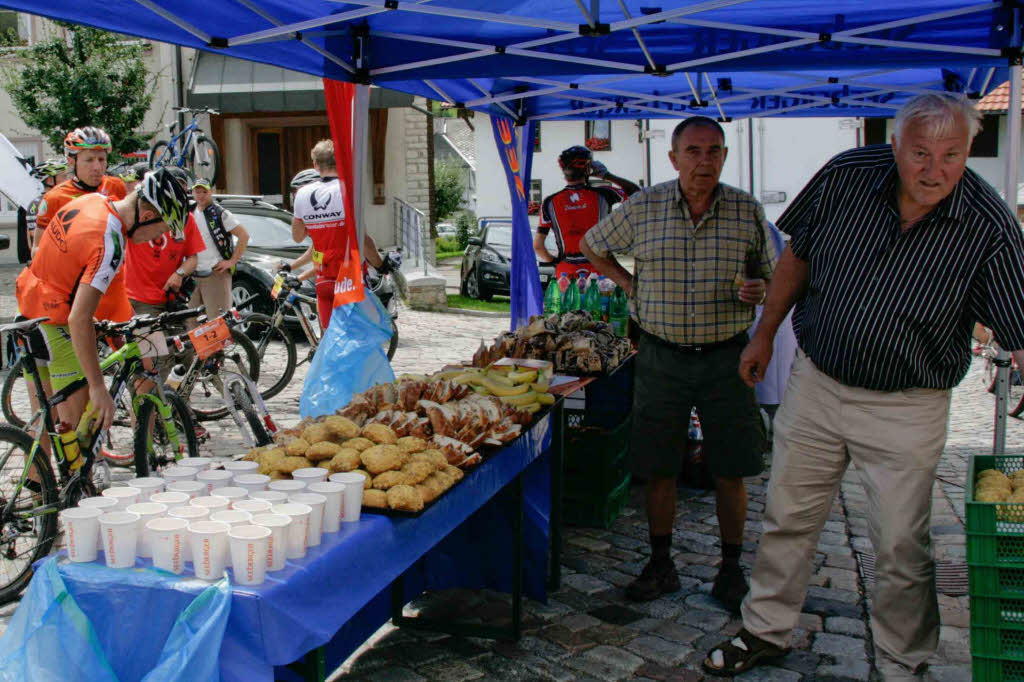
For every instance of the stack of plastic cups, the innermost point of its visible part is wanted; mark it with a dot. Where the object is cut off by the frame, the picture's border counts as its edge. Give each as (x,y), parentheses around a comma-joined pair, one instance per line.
(169,541)
(277,549)
(104,504)
(147,511)
(170,499)
(353,504)
(253,506)
(214,478)
(189,514)
(316,517)
(120,533)
(232,493)
(253,483)
(334,493)
(298,529)
(232,517)
(287,487)
(249,546)
(191,488)
(310,475)
(149,486)
(178,473)
(124,496)
(209,543)
(242,467)
(271,496)
(81,532)
(197,463)
(210,502)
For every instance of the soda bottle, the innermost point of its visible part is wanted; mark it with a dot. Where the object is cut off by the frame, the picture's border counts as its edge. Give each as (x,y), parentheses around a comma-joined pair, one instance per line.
(552,299)
(607,288)
(563,283)
(592,302)
(581,282)
(69,441)
(618,311)
(572,298)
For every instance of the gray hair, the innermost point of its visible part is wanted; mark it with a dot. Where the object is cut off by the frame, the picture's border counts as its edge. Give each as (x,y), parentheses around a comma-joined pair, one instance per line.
(939,112)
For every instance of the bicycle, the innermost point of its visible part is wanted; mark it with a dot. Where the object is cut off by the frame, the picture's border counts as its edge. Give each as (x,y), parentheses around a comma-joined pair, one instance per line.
(196,152)
(30,496)
(1015,396)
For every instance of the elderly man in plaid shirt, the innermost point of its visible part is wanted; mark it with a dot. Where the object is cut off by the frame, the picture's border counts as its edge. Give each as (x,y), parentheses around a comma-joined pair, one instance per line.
(703,256)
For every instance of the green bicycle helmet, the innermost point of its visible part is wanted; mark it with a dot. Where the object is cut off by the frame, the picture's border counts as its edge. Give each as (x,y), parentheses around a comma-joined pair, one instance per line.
(49,169)
(165,193)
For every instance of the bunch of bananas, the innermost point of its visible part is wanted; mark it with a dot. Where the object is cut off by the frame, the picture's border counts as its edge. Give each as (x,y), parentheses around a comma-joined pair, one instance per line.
(522,387)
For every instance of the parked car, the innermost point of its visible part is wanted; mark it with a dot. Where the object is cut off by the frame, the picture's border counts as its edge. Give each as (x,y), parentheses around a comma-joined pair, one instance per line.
(445,230)
(485,268)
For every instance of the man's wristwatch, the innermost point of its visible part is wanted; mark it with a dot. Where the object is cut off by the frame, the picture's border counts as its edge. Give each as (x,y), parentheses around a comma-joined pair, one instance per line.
(180,272)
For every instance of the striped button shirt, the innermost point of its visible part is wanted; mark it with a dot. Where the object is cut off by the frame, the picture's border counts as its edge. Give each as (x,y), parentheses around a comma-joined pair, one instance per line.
(685,288)
(891,310)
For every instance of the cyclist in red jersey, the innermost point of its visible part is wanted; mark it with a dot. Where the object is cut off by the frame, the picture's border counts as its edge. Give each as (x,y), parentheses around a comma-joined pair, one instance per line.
(573,210)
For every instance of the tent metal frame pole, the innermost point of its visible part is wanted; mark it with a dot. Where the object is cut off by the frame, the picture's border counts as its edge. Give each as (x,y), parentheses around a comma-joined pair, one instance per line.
(433,86)
(282,32)
(637,36)
(513,19)
(175,19)
(586,14)
(483,90)
(729,56)
(672,13)
(927,47)
(1003,360)
(714,98)
(305,41)
(562,87)
(608,104)
(988,79)
(920,19)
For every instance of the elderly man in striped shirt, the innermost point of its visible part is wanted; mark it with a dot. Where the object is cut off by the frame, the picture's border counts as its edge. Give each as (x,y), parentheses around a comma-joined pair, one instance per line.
(896,251)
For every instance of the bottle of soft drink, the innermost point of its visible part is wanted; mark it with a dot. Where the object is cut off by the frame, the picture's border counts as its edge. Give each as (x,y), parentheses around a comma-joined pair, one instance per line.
(572,299)
(563,283)
(592,302)
(581,282)
(607,288)
(618,311)
(552,299)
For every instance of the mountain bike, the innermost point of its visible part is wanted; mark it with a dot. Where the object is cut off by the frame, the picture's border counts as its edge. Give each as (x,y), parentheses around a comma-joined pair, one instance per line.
(190,149)
(1015,396)
(30,493)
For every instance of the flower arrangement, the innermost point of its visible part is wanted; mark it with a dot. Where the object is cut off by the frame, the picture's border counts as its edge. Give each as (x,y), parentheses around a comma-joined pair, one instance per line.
(598,144)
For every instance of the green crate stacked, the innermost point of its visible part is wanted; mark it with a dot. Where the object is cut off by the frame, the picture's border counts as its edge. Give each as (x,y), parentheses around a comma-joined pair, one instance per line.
(595,475)
(995,558)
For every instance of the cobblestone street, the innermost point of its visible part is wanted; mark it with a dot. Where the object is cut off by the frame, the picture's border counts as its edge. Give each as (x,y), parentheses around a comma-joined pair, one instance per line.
(589,630)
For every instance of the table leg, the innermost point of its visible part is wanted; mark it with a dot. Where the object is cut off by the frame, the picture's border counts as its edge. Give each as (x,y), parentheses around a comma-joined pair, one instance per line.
(312,667)
(557,490)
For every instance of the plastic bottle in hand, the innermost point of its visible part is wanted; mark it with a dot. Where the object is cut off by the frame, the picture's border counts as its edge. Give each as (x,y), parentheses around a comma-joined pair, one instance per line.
(618,312)
(592,302)
(552,299)
(572,298)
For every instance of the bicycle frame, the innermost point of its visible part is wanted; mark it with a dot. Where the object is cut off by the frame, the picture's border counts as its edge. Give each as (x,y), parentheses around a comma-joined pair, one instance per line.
(294,301)
(178,157)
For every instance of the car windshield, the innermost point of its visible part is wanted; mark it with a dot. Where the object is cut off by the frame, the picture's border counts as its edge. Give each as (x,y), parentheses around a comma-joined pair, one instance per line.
(499,235)
(267,231)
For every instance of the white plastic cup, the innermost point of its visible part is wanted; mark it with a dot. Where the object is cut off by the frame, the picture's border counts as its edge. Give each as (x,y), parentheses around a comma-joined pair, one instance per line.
(178,473)
(170,498)
(287,487)
(81,531)
(241,467)
(211,502)
(335,496)
(277,548)
(191,488)
(147,511)
(252,482)
(214,478)
(249,553)
(232,517)
(197,463)
(298,529)
(253,506)
(271,496)
(316,517)
(209,541)
(310,475)
(120,533)
(104,504)
(169,539)
(233,493)
(125,496)
(149,486)
(188,513)
(353,504)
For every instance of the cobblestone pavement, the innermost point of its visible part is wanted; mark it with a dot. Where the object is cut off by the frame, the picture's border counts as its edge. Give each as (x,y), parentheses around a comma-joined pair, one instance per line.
(588,630)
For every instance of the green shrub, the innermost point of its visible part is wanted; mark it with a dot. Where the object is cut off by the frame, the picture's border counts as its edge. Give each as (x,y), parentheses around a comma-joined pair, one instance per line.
(465,227)
(447,245)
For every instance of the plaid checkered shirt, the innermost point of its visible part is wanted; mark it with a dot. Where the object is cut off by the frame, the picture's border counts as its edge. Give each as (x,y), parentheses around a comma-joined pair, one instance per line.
(685,287)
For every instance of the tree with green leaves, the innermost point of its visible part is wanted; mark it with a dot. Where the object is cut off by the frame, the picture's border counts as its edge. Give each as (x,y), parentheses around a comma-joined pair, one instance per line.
(85,77)
(449,188)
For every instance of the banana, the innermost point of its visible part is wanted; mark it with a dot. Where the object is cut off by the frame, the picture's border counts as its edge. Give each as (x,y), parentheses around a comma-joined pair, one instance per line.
(470,378)
(531,408)
(500,369)
(501,389)
(481,390)
(545,399)
(523,377)
(541,387)
(520,400)
(500,379)
(450,374)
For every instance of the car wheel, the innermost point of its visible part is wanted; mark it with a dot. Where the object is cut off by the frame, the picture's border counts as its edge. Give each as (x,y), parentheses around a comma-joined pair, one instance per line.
(244,287)
(475,289)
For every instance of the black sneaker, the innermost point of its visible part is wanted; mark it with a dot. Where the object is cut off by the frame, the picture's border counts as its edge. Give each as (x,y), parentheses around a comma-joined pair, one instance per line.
(730,587)
(654,581)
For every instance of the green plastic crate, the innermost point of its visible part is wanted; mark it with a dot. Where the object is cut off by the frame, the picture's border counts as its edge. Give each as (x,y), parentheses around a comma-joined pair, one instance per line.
(997,611)
(996,670)
(595,459)
(595,511)
(605,474)
(995,530)
(996,581)
(1001,642)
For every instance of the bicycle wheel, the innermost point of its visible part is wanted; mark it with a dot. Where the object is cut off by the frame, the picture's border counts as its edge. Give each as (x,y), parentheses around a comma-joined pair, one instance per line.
(154,450)
(391,345)
(159,154)
(27,534)
(14,396)
(243,403)
(276,351)
(205,158)
(206,399)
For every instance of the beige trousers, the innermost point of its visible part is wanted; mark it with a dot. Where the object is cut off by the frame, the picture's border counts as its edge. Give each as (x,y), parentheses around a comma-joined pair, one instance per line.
(895,440)
(214,292)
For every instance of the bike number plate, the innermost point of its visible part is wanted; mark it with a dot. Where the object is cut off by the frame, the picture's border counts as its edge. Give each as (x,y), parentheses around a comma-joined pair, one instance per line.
(210,338)
(153,345)
(276,289)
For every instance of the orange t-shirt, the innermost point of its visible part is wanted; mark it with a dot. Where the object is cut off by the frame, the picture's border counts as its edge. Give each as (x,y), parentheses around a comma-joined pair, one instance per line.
(58,197)
(84,243)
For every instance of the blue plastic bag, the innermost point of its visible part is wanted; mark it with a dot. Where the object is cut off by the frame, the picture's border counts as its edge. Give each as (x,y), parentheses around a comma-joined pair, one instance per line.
(50,638)
(192,650)
(350,358)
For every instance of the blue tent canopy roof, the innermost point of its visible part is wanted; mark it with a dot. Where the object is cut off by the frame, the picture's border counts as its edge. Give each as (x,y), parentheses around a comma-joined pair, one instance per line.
(546,59)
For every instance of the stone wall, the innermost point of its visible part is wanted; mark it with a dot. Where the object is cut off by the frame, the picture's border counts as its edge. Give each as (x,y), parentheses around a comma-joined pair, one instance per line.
(426,293)
(417,178)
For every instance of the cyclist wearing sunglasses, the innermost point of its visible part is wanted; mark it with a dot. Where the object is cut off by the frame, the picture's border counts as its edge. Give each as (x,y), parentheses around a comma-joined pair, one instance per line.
(51,172)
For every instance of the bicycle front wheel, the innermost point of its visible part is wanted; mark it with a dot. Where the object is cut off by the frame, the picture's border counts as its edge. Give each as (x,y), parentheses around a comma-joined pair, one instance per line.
(243,402)
(205,158)
(156,447)
(160,155)
(206,399)
(276,351)
(28,531)
(14,396)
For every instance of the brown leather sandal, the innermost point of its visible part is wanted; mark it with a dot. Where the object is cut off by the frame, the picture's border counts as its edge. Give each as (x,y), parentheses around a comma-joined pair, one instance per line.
(740,654)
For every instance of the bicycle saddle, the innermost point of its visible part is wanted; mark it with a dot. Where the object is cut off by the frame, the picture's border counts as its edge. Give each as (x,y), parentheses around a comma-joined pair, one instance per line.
(23,325)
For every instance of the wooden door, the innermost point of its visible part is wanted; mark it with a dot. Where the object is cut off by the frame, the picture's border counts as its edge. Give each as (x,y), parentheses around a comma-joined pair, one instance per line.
(298,141)
(269,179)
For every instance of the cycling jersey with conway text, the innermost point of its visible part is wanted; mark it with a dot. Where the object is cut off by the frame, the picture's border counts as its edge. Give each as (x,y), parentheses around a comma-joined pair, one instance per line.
(321,207)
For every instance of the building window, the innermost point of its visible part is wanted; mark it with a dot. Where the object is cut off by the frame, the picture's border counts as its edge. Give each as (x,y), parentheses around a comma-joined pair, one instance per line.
(874,131)
(536,137)
(986,142)
(536,196)
(598,135)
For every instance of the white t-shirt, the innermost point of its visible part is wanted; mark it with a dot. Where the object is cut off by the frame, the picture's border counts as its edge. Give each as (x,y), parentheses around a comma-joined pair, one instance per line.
(210,256)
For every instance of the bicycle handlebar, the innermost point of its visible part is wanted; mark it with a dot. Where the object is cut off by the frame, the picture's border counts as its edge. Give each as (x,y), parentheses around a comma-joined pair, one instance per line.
(197,110)
(148,321)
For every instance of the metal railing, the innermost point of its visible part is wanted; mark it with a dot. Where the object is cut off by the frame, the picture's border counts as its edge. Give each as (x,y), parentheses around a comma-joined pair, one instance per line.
(409,228)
